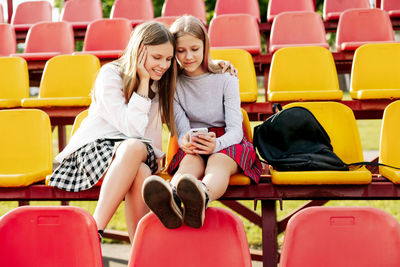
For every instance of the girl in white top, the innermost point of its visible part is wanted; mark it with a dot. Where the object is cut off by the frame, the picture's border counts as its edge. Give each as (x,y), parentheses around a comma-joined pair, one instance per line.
(120,140)
(204,98)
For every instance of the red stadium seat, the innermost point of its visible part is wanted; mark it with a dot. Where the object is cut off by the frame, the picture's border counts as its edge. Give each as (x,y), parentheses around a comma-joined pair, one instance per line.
(81,12)
(361,26)
(49,236)
(107,38)
(392,7)
(48,39)
(137,11)
(333,8)
(341,236)
(8,44)
(277,6)
(28,13)
(297,28)
(1,14)
(195,8)
(166,20)
(235,31)
(220,242)
(250,7)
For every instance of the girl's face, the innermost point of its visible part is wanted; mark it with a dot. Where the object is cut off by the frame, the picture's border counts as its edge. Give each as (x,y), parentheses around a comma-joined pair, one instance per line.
(158,59)
(189,53)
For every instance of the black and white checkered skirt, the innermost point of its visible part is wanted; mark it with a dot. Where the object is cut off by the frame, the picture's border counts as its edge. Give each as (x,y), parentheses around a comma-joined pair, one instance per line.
(86,166)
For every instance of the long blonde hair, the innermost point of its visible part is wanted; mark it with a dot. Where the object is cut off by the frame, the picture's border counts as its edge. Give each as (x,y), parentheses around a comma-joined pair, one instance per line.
(150,33)
(191,25)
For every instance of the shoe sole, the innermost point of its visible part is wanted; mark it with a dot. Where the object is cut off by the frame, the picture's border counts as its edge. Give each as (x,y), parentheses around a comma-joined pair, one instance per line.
(194,202)
(159,199)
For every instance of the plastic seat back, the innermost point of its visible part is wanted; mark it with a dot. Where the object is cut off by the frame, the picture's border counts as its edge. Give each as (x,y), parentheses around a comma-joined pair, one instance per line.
(297,28)
(50,37)
(78,120)
(81,12)
(333,8)
(49,236)
(235,31)
(250,7)
(31,12)
(8,44)
(340,124)
(392,7)
(220,242)
(107,34)
(278,6)
(243,61)
(1,14)
(137,11)
(341,236)
(375,72)
(303,73)
(361,26)
(167,21)
(14,81)
(195,8)
(26,154)
(390,142)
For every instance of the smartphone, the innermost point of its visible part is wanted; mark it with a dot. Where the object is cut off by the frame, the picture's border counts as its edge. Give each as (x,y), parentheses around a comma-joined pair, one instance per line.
(197,131)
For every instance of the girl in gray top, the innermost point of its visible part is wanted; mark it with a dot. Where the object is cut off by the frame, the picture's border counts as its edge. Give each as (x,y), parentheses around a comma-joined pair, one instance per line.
(204,98)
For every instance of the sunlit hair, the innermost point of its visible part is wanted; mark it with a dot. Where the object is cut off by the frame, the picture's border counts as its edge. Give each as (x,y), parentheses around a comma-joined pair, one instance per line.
(150,33)
(193,26)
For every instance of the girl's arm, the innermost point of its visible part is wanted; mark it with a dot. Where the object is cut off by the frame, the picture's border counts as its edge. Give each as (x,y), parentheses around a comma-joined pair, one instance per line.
(183,127)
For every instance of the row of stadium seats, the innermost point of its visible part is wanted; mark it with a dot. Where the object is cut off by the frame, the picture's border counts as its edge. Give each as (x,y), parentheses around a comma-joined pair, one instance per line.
(81,12)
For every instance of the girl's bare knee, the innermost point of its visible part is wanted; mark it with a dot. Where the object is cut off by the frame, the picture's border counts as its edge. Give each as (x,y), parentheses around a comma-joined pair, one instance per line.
(132,148)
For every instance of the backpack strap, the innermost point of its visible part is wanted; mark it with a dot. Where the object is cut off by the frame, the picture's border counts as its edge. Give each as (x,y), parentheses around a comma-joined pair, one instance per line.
(366,163)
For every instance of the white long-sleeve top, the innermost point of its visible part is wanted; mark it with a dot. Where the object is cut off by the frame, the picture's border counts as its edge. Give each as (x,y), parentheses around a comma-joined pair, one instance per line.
(209,100)
(110,117)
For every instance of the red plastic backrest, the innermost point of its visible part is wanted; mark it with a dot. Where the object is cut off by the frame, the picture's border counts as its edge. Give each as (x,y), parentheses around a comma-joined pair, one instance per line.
(8,42)
(363,25)
(107,34)
(278,6)
(250,7)
(195,8)
(297,27)
(50,37)
(341,236)
(82,10)
(342,5)
(235,31)
(32,12)
(390,5)
(133,10)
(48,237)
(220,242)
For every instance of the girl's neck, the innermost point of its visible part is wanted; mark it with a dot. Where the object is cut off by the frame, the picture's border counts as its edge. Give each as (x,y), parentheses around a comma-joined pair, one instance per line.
(199,71)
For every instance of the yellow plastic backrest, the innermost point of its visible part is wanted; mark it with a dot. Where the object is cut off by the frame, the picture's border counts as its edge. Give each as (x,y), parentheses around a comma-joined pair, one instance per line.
(69,76)
(307,68)
(375,66)
(14,78)
(78,120)
(243,61)
(339,122)
(390,135)
(26,142)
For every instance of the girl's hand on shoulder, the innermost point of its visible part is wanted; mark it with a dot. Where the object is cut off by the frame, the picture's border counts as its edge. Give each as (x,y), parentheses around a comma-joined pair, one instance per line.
(228,67)
(204,144)
(141,61)
(186,146)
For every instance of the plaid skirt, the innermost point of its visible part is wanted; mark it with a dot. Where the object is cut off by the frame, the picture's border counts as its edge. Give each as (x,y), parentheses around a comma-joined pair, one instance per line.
(86,166)
(243,154)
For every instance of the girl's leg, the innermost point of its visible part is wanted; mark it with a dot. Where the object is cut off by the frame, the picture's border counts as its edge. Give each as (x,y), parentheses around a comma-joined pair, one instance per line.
(219,169)
(135,208)
(118,180)
(190,164)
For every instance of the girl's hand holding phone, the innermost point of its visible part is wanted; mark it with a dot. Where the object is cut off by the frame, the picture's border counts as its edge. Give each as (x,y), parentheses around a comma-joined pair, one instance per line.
(204,144)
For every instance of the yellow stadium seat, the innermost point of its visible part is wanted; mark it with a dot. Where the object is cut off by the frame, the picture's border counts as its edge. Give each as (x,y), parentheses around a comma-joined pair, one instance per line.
(390,142)
(26,147)
(375,72)
(78,120)
(243,61)
(236,179)
(339,122)
(67,81)
(302,74)
(14,81)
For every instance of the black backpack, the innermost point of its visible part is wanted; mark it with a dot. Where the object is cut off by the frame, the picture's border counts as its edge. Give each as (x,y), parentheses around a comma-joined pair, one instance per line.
(294,140)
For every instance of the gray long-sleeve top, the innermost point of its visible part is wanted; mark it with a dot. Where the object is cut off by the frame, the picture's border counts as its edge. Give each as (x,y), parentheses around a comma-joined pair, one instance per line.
(209,100)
